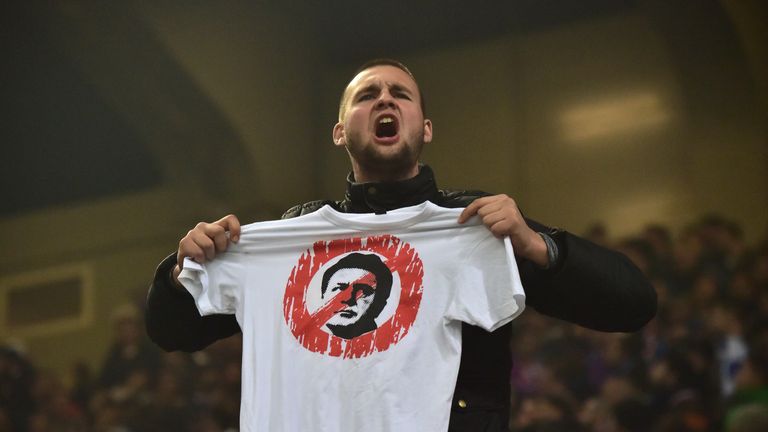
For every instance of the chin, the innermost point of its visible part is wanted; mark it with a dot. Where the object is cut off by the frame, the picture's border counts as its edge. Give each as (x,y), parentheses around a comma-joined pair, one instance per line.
(399,159)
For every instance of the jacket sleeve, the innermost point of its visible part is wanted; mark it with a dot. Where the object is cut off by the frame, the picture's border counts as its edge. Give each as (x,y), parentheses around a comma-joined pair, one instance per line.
(590,286)
(172,319)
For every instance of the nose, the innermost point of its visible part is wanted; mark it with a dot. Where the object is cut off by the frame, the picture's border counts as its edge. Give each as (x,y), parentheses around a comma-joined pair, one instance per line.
(385,100)
(352,300)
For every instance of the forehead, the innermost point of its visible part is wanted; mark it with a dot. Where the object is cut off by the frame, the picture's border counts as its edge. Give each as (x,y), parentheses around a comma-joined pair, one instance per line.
(347,275)
(383,75)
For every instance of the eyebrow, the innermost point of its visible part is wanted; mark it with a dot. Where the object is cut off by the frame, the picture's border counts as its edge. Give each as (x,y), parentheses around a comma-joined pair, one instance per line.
(377,87)
(399,88)
(367,89)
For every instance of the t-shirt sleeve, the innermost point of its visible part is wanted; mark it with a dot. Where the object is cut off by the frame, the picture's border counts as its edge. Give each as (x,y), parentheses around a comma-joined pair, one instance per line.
(211,285)
(487,291)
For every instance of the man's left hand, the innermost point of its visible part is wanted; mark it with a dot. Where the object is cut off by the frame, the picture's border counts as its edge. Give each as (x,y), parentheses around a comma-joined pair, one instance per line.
(501,215)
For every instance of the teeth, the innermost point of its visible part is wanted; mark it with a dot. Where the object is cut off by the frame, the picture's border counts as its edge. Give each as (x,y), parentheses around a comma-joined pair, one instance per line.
(386,120)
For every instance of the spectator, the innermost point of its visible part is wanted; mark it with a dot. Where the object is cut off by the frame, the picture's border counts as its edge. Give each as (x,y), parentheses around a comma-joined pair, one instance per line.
(17,376)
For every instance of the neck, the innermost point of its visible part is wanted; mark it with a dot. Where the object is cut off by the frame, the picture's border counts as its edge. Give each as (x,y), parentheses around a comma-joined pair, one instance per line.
(383,196)
(383,175)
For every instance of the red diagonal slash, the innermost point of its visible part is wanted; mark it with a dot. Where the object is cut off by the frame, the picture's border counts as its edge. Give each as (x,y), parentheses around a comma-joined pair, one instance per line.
(325,312)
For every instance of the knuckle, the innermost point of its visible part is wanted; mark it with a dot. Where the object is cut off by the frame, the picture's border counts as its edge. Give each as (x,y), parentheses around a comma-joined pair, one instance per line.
(185,244)
(228,221)
(216,229)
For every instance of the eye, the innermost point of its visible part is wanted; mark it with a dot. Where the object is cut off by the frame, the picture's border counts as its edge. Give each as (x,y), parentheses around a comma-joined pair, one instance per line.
(365,288)
(340,287)
(402,95)
(365,96)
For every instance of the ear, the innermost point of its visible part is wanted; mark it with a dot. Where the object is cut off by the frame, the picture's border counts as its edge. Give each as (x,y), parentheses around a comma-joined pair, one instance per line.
(339,138)
(427,131)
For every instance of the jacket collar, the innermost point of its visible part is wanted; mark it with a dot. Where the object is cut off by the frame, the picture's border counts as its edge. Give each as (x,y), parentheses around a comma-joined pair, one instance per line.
(378,197)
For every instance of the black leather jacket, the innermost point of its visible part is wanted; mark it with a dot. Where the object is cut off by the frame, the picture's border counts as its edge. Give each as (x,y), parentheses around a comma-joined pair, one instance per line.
(590,286)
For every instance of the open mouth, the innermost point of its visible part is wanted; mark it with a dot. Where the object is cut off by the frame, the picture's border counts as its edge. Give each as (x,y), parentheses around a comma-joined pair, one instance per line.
(386,127)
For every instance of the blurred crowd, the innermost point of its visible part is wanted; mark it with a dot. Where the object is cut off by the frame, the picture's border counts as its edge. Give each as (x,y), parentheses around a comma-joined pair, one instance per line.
(701,365)
(137,388)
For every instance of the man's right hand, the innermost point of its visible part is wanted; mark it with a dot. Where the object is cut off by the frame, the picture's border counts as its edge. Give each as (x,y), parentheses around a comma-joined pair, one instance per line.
(205,240)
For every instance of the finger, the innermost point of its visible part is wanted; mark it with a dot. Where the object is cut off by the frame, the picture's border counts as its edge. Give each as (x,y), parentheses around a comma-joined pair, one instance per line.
(216,233)
(188,248)
(176,271)
(492,218)
(204,243)
(491,207)
(210,229)
(498,223)
(468,212)
(220,241)
(472,208)
(232,224)
(204,236)
(501,228)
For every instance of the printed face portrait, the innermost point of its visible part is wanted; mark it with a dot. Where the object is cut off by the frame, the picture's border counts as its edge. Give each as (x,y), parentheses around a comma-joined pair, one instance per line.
(359,286)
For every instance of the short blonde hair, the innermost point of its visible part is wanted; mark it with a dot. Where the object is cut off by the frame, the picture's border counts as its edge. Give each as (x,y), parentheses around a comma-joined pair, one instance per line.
(380,62)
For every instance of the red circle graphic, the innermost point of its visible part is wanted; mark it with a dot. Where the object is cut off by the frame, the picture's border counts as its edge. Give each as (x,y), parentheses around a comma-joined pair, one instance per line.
(307,327)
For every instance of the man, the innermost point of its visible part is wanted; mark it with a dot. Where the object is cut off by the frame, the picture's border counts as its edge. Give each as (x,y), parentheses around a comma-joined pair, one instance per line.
(383,128)
(359,285)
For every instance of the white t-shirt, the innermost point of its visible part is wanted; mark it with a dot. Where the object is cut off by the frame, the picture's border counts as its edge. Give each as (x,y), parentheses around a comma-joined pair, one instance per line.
(352,322)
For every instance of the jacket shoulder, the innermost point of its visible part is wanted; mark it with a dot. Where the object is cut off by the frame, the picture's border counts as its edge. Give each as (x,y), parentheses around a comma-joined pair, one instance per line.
(308,207)
(459,198)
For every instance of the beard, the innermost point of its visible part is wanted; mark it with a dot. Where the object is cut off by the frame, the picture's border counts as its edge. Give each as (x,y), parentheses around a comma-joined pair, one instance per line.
(386,163)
